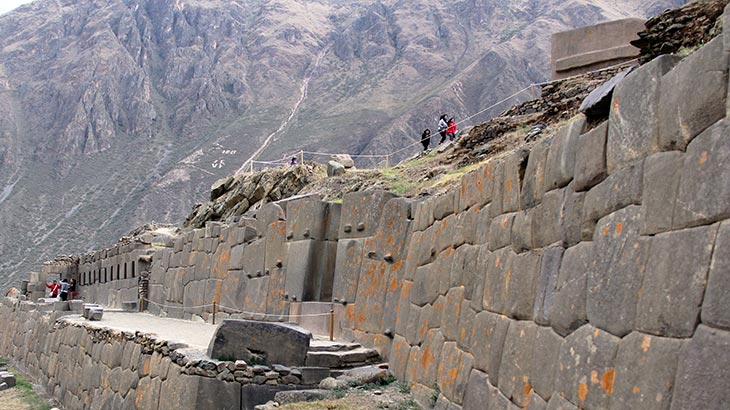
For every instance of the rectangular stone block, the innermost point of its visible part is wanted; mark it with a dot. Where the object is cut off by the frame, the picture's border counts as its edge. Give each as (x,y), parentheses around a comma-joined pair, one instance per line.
(306,218)
(545,361)
(546,219)
(692,96)
(561,157)
(487,342)
(496,286)
(361,212)
(645,371)
(347,269)
(533,186)
(521,285)
(451,313)
(674,283)
(633,121)
(443,205)
(500,231)
(514,166)
(484,222)
(515,369)
(661,183)
(703,372)
(704,188)
(586,371)
(522,235)
(568,310)
(464,270)
(495,208)
(572,217)
(619,190)
(716,305)
(590,161)
(547,284)
(615,281)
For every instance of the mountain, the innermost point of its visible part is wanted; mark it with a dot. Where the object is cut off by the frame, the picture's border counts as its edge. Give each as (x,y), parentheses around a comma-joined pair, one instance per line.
(114,113)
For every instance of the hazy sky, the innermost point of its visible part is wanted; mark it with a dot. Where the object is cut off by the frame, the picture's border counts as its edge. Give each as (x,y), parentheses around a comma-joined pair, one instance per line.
(7,5)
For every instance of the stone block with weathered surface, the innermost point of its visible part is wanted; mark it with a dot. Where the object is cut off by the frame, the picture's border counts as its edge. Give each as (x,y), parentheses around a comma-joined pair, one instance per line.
(674,282)
(514,164)
(516,367)
(704,188)
(307,219)
(559,403)
(586,372)
(633,121)
(661,182)
(572,217)
(361,212)
(547,284)
(619,190)
(561,157)
(500,231)
(704,372)
(568,311)
(268,213)
(692,96)
(533,186)
(545,361)
(476,396)
(546,219)
(522,285)
(347,269)
(522,232)
(590,158)
(280,343)
(645,370)
(615,280)
(716,304)
(496,285)
(487,342)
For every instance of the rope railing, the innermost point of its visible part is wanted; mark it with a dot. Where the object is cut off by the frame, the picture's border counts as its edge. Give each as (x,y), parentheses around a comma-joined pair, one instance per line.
(387,156)
(229,309)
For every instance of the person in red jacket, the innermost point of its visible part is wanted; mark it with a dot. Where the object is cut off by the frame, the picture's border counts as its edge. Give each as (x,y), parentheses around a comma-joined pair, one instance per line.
(451,129)
(54,288)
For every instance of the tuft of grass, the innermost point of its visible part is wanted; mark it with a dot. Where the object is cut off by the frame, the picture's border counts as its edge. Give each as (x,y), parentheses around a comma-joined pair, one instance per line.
(435,395)
(408,404)
(404,387)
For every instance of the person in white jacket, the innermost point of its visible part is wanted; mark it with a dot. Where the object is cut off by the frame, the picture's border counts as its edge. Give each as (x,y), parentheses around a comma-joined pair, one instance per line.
(443,126)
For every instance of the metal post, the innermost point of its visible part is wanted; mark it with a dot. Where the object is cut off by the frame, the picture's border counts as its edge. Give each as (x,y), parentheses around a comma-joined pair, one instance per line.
(252,167)
(387,161)
(332,323)
(214,308)
(301,157)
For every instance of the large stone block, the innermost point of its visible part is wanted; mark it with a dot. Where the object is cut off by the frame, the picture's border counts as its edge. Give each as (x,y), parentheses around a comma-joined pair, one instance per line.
(633,121)
(645,370)
(217,394)
(361,212)
(515,369)
(268,213)
(496,285)
(692,96)
(521,285)
(522,232)
(500,231)
(716,305)
(590,161)
(704,188)
(254,257)
(452,311)
(281,343)
(443,205)
(347,269)
(619,190)
(674,283)
(487,342)
(448,368)
(308,263)
(533,185)
(572,217)
(428,358)
(465,270)
(495,208)
(307,218)
(616,278)
(546,219)
(545,361)
(514,166)
(559,403)
(426,286)
(561,157)
(586,372)
(704,372)
(661,183)
(476,396)
(547,284)
(466,326)
(568,310)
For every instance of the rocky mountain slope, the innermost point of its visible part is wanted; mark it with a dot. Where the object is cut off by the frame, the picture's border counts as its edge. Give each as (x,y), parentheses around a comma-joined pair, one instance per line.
(118,112)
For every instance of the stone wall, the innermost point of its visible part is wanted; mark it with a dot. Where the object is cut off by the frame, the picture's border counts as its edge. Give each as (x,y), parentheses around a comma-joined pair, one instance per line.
(84,366)
(590,48)
(590,271)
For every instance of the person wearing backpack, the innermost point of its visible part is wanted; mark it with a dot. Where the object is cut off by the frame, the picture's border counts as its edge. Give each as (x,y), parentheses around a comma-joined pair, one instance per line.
(443,125)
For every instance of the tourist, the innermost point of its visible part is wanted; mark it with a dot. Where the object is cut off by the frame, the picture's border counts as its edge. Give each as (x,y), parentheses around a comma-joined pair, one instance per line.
(72,288)
(293,161)
(54,289)
(443,125)
(426,139)
(451,129)
(64,290)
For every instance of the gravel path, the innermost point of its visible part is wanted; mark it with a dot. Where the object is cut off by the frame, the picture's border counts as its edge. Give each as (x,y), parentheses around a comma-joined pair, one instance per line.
(194,334)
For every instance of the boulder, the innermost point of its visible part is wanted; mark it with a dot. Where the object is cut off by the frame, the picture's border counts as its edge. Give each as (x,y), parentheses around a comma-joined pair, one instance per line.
(598,102)
(280,343)
(96,314)
(344,159)
(7,378)
(334,169)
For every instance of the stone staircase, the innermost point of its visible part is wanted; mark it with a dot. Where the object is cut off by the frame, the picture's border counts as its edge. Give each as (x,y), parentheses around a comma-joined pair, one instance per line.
(340,355)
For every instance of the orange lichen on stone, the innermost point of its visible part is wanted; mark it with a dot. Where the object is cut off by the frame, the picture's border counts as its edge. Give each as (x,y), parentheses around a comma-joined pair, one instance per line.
(526,391)
(704,157)
(646,343)
(607,381)
(146,367)
(505,220)
(636,390)
(604,231)
(582,391)
(594,377)
(619,228)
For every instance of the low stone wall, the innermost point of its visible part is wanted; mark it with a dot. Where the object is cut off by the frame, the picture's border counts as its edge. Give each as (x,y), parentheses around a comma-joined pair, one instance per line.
(84,365)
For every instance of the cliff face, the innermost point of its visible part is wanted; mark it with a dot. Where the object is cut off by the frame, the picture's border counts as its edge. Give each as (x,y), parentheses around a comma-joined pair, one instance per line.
(115,113)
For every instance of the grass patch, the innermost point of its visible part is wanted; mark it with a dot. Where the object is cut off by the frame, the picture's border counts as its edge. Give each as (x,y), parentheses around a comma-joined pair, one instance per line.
(24,391)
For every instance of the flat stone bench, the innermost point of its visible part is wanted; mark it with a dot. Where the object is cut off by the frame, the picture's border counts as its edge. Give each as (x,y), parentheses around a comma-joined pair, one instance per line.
(278,343)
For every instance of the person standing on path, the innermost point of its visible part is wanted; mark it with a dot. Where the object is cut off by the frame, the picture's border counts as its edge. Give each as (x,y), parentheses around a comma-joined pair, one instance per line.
(443,125)
(451,129)
(54,289)
(426,139)
(64,290)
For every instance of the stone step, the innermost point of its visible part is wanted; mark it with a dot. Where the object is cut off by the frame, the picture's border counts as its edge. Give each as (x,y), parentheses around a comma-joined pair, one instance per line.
(328,346)
(344,359)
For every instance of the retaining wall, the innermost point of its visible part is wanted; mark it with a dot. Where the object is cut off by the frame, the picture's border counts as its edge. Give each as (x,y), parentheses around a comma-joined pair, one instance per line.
(589,271)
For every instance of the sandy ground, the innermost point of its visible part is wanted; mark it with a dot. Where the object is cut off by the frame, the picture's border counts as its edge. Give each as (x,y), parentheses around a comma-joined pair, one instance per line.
(11,399)
(194,334)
